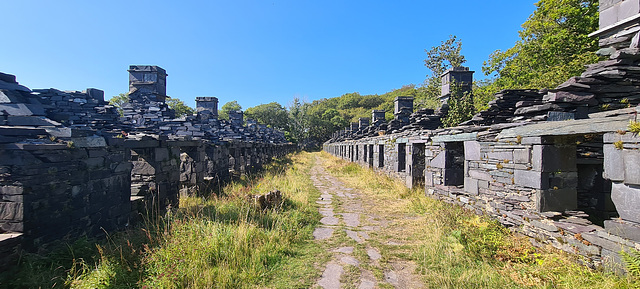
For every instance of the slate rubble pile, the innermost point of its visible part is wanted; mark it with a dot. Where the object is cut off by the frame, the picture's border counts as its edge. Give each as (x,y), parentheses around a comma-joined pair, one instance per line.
(79,110)
(512,105)
(22,114)
(423,119)
(606,85)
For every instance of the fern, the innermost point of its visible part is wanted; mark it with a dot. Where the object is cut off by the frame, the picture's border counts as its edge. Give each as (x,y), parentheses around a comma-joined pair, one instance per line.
(632,261)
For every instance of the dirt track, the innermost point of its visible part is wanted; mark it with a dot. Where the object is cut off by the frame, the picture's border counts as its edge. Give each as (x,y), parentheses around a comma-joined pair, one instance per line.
(349,230)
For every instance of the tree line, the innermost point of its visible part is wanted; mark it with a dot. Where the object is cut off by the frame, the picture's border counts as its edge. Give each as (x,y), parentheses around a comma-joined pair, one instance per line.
(553,46)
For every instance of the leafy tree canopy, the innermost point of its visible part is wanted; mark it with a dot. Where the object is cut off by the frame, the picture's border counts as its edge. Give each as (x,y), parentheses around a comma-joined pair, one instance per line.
(228,107)
(272,114)
(180,107)
(554,45)
(119,100)
(442,57)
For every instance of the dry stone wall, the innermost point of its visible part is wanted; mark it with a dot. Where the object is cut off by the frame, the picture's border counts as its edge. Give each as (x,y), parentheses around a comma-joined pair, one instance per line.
(71,166)
(559,166)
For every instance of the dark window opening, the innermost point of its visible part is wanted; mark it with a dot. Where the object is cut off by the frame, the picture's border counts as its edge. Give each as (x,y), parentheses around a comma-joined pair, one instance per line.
(418,161)
(371,155)
(402,157)
(454,164)
(365,155)
(380,156)
(594,192)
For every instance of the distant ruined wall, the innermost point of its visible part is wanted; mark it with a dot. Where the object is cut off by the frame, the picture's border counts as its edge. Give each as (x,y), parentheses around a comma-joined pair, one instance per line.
(71,166)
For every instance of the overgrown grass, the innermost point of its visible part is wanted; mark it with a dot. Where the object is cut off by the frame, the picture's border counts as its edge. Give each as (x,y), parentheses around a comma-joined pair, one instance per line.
(221,241)
(455,248)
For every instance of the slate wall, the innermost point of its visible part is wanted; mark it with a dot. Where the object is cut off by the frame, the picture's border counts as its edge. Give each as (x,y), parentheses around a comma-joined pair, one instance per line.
(528,184)
(70,166)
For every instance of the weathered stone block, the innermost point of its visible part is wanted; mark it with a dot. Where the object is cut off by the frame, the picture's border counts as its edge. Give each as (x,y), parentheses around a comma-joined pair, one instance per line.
(628,8)
(608,16)
(89,142)
(613,163)
(557,200)
(480,175)
(428,179)
(521,156)
(563,180)
(472,151)
(627,201)
(11,190)
(471,186)
(610,138)
(11,211)
(532,140)
(605,4)
(631,167)
(500,156)
(439,161)
(531,179)
(624,229)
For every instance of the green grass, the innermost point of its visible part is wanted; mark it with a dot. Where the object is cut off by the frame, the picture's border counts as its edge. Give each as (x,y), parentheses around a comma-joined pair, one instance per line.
(455,248)
(220,241)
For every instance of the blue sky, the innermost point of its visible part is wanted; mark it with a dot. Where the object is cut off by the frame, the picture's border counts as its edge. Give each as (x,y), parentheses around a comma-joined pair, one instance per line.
(250,51)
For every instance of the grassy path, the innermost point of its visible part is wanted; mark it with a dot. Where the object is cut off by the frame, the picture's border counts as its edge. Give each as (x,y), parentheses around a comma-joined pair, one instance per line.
(349,231)
(428,243)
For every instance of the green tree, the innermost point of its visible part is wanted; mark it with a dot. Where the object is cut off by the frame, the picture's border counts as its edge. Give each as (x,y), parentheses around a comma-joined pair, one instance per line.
(297,130)
(461,107)
(439,59)
(180,107)
(554,45)
(119,100)
(272,114)
(446,55)
(228,107)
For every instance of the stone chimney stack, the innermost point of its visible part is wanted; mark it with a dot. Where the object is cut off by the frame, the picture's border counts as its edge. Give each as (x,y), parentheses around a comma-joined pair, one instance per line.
(377,115)
(236,118)
(147,82)
(207,106)
(459,76)
(403,108)
(363,122)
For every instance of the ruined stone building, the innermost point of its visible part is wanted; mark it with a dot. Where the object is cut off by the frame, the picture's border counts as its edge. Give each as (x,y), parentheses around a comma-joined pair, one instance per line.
(560,166)
(71,165)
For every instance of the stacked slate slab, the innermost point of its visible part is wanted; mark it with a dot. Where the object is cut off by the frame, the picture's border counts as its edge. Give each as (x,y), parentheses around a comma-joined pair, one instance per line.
(606,85)
(146,108)
(79,110)
(403,108)
(512,105)
(424,118)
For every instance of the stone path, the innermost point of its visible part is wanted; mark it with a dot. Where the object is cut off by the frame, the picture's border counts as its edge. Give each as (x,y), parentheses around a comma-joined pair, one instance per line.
(348,230)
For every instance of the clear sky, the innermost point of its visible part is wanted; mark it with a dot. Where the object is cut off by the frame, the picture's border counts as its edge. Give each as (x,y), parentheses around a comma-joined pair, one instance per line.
(250,51)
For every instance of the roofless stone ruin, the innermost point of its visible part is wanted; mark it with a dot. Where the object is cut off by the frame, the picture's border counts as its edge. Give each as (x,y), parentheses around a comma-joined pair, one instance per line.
(70,165)
(558,166)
